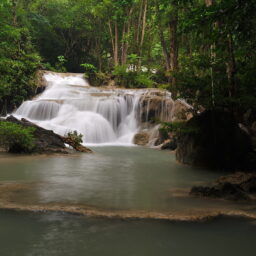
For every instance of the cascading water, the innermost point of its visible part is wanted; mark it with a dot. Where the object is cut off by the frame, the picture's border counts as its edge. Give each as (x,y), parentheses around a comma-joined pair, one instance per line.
(103,116)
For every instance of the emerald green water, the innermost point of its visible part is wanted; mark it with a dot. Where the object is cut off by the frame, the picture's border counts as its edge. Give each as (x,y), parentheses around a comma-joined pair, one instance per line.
(115,178)
(111,178)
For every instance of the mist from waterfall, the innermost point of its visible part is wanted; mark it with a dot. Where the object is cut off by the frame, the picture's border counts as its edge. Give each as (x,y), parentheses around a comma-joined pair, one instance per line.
(103,116)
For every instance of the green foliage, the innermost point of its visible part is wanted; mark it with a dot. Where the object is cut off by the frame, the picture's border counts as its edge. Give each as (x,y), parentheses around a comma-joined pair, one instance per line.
(60,64)
(89,68)
(95,78)
(178,128)
(75,138)
(16,138)
(18,62)
(216,47)
(132,79)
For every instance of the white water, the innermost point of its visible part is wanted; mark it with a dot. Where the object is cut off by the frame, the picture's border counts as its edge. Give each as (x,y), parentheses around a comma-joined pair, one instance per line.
(103,116)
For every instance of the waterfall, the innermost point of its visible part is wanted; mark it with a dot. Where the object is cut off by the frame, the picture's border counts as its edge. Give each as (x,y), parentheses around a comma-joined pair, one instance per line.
(102,115)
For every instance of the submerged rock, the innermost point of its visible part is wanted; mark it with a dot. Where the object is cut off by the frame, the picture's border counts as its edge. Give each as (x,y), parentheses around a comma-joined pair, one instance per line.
(238,187)
(46,141)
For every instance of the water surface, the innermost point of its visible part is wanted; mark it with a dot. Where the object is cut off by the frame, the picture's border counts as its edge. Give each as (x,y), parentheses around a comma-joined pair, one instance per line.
(28,234)
(126,178)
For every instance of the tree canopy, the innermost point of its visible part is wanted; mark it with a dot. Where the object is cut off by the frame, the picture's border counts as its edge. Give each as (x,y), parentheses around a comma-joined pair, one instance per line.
(201,50)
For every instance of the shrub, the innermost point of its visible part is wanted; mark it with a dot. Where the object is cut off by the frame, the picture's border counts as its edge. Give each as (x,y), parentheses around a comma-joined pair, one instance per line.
(75,138)
(60,64)
(132,79)
(177,128)
(16,138)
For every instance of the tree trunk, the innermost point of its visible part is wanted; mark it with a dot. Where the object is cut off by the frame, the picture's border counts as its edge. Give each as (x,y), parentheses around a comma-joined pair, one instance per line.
(213,55)
(114,41)
(209,2)
(14,12)
(116,58)
(143,31)
(112,38)
(231,66)
(174,49)
(163,42)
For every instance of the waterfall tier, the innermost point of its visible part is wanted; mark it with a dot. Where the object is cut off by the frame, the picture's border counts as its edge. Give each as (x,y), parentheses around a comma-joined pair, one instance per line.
(103,116)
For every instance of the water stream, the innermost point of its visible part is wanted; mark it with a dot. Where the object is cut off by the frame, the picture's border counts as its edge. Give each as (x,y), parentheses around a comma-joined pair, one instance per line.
(130,200)
(103,116)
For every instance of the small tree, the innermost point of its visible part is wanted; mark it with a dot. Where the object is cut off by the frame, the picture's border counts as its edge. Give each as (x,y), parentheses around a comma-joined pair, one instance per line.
(75,138)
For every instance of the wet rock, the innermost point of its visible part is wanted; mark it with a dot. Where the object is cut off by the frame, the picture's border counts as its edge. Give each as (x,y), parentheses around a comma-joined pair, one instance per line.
(155,105)
(47,141)
(41,82)
(182,111)
(215,141)
(141,139)
(226,190)
(170,144)
(238,187)
(79,147)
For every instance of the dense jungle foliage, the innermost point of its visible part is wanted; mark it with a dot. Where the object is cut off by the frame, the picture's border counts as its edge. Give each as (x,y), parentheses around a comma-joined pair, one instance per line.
(201,50)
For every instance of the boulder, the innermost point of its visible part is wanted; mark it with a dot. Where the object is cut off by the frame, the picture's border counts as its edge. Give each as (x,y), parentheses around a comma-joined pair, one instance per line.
(238,187)
(141,139)
(155,108)
(46,141)
(214,140)
(182,111)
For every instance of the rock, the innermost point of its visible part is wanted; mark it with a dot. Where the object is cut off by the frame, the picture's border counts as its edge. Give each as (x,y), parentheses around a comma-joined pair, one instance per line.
(170,144)
(155,106)
(141,139)
(79,148)
(249,185)
(225,190)
(47,141)
(238,187)
(41,82)
(253,128)
(182,111)
(215,141)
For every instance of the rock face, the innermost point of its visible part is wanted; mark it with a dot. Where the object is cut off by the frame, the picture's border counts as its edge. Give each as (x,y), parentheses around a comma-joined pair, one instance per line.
(238,186)
(158,106)
(47,141)
(181,111)
(155,106)
(217,142)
